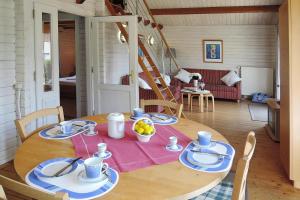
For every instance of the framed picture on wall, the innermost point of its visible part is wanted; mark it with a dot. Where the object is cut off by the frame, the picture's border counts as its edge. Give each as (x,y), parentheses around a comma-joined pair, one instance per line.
(213,51)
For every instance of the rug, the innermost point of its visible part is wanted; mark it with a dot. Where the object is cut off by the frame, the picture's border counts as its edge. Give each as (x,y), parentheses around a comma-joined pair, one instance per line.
(258,112)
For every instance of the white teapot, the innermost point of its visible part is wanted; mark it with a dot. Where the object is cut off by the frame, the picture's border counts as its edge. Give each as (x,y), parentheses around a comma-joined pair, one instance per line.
(116,125)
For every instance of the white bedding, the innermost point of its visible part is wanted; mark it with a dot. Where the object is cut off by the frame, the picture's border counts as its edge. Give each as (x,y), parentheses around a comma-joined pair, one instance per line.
(71,80)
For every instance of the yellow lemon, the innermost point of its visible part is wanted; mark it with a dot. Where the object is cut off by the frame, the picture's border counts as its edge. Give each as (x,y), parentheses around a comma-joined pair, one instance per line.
(136,127)
(148,130)
(146,126)
(151,129)
(140,123)
(140,130)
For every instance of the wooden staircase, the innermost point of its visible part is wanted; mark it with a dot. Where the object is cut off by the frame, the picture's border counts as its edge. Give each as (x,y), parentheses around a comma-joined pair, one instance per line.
(117,11)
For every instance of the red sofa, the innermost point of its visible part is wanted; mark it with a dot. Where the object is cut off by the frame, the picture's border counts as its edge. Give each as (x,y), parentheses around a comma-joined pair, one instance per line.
(150,94)
(213,83)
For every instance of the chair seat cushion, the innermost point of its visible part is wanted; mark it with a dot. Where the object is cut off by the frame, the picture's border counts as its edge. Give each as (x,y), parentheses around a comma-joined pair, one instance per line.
(222,191)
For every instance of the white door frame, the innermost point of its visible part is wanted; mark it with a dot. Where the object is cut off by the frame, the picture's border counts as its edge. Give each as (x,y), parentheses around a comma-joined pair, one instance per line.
(91,38)
(41,95)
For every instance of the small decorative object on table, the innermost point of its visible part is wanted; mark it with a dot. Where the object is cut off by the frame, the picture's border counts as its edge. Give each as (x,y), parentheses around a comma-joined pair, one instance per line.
(102,152)
(144,129)
(195,81)
(173,146)
(202,85)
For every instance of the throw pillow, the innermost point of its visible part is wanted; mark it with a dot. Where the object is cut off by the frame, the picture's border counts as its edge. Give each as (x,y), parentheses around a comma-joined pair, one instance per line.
(143,84)
(166,78)
(184,76)
(231,78)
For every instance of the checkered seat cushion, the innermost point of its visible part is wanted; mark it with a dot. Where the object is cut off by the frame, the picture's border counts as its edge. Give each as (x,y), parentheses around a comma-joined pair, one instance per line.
(222,191)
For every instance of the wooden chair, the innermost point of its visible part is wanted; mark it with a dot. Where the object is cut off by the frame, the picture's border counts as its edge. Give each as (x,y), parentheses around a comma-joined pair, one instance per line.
(233,187)
(27,191)
(21,123)
(157,102)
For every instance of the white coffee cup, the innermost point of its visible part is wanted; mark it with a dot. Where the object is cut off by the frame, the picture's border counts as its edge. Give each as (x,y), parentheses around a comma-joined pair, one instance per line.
(66,127)
(173,142)
(102,149)
(94,167)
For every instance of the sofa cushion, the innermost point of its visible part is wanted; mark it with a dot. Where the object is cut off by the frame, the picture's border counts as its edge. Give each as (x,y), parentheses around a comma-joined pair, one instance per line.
(231,78)
(184,76)
(143,84)
(166,78)
(210,76)
(223,88)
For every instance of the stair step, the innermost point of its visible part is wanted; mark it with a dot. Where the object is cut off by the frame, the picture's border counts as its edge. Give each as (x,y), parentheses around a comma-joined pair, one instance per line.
(164,89)
(173,100)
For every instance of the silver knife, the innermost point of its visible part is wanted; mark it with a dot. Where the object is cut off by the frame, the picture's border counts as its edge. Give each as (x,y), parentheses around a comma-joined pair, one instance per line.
(66,167)
(214,153)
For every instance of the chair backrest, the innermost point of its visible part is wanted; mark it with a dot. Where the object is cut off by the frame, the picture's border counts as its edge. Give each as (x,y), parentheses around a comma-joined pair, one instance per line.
(151,102)
(21,123)
(27,191)
(239,185)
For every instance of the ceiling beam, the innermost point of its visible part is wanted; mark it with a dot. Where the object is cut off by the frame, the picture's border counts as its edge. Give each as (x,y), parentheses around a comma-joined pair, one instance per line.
(215,10)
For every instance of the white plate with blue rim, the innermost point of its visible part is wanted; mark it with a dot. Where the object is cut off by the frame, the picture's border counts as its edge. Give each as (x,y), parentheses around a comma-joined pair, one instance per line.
(48,168)
(197,145)
(54,132)
(205,159)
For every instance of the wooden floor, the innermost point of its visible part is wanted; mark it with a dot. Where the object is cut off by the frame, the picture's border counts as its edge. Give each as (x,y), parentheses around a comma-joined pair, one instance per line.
(267,179)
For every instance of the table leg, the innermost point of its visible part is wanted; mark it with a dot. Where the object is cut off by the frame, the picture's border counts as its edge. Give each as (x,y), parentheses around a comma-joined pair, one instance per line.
(189,101)
(206,102)
(201,108)
(213,103)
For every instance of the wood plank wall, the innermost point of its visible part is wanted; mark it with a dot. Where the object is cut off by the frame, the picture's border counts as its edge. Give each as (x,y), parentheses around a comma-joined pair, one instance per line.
(8,136)
(246,45)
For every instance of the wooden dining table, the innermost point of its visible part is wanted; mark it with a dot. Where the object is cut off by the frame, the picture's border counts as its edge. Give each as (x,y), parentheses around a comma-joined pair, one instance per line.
(167,181)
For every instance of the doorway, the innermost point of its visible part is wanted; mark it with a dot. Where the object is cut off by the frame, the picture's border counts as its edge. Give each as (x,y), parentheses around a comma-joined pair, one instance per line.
(71,64)
(113,64)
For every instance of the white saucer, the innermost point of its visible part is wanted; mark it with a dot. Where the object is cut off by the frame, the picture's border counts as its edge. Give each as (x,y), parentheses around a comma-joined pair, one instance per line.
(196,144)
(178,148)
(108,154)
(82,177)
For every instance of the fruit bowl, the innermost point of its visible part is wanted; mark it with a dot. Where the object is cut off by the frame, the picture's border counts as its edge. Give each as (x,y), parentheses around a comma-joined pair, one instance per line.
(144,129)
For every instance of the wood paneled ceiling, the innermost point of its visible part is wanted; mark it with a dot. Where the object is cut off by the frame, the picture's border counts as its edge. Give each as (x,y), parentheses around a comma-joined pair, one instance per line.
(258,18)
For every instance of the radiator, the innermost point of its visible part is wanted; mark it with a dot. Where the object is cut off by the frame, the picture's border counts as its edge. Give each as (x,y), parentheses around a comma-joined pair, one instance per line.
(256,79)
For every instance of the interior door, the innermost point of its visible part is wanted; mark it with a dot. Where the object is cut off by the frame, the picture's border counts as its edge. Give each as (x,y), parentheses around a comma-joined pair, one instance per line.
(46,58)
(111,59)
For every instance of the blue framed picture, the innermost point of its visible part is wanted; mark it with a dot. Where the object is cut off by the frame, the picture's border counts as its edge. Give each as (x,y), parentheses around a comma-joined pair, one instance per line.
(213,51)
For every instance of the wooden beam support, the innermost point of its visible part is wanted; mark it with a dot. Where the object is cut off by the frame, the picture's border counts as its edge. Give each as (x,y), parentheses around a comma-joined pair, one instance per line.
(80,1)
(215,10)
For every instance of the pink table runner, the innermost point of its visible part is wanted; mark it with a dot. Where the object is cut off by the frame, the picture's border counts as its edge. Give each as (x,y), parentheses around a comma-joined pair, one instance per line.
(128,153)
